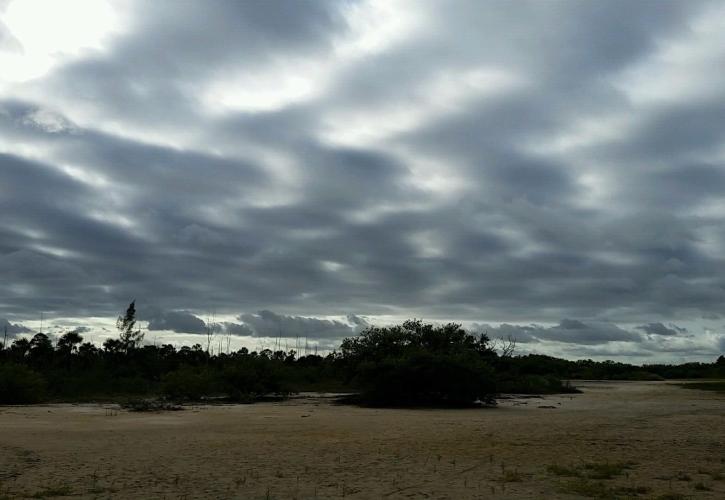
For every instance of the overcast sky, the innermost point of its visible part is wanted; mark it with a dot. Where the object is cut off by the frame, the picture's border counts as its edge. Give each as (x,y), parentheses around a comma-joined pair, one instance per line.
(549,170)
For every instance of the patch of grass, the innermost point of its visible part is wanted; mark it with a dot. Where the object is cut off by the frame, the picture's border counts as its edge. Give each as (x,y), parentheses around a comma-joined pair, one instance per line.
(97,490)
(560,470)
(671,496)
(715,385)
(585,488)
(606,470)
(511,476)
(700,486)
(591,470)
(714,475)
(53,491)
(683,476)
(598,489)
(631,491)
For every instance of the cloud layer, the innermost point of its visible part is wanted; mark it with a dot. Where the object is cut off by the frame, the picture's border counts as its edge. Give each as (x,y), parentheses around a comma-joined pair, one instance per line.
(472,160)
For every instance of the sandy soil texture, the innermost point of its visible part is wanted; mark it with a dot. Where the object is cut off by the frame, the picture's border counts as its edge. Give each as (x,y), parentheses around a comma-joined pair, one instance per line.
(616,440)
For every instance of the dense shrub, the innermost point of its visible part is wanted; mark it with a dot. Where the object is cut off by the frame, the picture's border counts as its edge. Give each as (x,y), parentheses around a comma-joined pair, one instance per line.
(187,383)
(420,364)
(20,385)
(425,378)
(255,377)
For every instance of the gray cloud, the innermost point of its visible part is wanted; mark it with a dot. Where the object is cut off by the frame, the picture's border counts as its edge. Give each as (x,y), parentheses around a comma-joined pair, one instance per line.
(80,329)
(660,329)
(474,160)
(568,331)
(269,324)
(176,321)
(12,329)
(239,329)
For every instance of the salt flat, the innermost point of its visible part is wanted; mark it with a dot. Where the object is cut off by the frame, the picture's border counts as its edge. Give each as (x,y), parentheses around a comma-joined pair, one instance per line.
(650,438)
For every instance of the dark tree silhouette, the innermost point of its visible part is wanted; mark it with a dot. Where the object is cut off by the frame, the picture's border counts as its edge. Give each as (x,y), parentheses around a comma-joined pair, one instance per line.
(130,337)
(410,364)
(421,364)
(69,342)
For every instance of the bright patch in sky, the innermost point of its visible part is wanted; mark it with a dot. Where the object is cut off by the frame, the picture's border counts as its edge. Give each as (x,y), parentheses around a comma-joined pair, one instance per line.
(47,33)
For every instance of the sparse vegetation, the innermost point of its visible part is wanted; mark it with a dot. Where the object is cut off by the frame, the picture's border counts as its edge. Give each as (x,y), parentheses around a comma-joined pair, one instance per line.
(591,470)
(53,491)
(511,476)
(605,470)
(700,486)
(598,489)
(559,470)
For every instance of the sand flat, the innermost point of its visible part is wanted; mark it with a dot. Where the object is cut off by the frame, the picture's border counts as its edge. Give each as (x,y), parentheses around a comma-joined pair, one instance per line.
(672,438)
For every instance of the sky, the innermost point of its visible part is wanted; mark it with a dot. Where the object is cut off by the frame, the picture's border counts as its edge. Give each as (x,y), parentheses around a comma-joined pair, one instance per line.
(550,171)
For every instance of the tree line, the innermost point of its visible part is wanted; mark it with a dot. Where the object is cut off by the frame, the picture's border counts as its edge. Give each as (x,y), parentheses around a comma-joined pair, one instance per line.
(410,364)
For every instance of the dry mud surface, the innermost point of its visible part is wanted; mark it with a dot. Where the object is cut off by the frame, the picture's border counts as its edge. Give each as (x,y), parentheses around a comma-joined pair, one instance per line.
(672,441)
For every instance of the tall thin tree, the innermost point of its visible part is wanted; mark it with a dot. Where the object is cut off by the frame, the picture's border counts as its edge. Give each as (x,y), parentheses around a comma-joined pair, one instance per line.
(129,336)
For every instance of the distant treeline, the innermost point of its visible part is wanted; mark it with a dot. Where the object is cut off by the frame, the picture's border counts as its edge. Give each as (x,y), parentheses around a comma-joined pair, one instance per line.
(410,364)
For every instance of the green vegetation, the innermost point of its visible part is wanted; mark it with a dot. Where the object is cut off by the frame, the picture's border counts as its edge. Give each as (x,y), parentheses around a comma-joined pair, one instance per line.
(421,364)
(412,364)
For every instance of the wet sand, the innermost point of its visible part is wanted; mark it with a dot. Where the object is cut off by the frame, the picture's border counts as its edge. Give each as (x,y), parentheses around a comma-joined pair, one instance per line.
(672,441)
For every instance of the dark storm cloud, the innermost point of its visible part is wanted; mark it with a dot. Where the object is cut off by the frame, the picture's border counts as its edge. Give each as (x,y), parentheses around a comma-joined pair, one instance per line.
(176,321)
(480,161)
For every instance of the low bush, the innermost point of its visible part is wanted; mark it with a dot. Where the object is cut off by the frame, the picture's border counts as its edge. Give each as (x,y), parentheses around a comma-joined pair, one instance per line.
(250,379)
(187,383)
(20,385)
(418,364)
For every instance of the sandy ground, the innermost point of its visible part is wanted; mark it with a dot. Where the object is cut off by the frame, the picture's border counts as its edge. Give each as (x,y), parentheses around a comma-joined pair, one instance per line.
(672,438)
